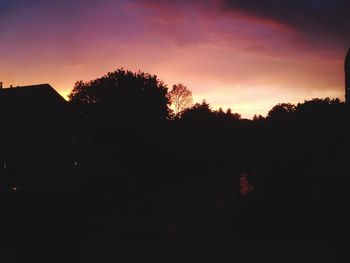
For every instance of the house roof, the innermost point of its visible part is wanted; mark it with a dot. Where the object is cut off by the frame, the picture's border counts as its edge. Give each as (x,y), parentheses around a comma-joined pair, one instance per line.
(33,118)
(29,105)
(41,93)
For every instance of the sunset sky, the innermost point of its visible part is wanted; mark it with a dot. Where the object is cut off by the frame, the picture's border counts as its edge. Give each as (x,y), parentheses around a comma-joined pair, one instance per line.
(247,54)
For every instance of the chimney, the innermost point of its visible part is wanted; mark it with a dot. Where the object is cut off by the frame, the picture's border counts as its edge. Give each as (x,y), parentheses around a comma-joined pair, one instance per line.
(11,86)
(0,84)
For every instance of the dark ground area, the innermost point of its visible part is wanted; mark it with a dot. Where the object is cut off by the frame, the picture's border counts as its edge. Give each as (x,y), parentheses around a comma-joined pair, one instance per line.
(95,227)
(133,181)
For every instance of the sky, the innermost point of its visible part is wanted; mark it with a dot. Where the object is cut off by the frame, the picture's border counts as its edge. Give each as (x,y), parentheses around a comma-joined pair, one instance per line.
(248,55)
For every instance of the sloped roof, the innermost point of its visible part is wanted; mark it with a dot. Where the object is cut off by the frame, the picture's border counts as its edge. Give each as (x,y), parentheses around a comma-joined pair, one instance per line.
(35,105)
(33,118)
(33,94)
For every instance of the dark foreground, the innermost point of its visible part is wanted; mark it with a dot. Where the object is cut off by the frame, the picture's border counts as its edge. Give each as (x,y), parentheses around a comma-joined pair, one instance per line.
(119,227)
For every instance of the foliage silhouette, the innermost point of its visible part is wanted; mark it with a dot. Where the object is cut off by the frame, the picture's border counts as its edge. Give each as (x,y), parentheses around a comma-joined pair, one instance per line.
(281,111)
(199,111)
(124,94)
(178,178)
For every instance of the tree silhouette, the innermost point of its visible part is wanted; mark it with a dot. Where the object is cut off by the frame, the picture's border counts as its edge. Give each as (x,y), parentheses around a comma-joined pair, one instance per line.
(199,111)
(317,107)
(123,94)
(180,98)
(281,111)
(235,116)
(226,115)
(258,117)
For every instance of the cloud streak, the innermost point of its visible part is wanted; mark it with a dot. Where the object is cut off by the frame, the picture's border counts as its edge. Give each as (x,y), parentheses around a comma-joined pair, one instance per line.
(329,18)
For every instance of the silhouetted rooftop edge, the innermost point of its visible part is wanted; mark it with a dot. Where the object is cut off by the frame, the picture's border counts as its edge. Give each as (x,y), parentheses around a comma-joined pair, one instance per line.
(36,90)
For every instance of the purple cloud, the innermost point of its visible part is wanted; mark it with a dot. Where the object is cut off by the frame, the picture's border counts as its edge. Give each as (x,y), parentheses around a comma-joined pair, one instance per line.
(315,18)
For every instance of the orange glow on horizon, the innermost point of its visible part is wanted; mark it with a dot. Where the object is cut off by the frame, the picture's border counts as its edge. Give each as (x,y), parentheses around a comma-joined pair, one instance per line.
(229,58)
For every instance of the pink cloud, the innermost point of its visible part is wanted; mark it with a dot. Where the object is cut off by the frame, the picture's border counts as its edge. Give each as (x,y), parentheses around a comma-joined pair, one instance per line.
(232,59)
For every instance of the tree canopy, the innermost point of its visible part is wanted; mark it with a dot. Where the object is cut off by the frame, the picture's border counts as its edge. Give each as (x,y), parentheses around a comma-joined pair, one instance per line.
(281,110)
(134,94)
(180,98)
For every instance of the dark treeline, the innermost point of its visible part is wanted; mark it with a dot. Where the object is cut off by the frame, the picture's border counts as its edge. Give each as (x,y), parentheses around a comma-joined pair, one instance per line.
(156,176)
(135,112)
(182,159)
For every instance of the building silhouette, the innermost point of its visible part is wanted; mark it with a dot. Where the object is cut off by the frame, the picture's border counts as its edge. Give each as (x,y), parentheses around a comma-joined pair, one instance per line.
(347,78)
(37,150)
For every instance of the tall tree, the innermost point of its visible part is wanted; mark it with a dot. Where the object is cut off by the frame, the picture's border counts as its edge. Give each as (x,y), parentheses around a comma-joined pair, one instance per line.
(123,94)
(180,98)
